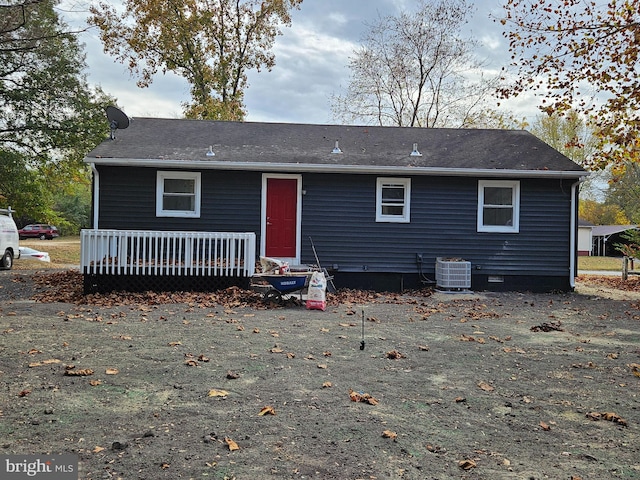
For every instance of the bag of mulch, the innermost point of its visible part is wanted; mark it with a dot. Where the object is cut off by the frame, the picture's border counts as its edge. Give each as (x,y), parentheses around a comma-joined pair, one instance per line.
(316,296)
(270,265)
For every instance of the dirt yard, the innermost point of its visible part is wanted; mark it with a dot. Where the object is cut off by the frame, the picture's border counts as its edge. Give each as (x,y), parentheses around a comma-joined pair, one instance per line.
(445,386)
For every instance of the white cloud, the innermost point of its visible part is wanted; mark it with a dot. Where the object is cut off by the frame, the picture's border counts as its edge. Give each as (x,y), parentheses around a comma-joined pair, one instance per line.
(311,64)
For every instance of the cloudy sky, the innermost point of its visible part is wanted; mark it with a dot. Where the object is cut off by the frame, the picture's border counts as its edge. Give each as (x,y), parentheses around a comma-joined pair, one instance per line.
(311,63)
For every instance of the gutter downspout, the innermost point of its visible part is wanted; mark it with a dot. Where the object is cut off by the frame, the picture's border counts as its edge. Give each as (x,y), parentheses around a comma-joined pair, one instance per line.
(96,195)
(573,241)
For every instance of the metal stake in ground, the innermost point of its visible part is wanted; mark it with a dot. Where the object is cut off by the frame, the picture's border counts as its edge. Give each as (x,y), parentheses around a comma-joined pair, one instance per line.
(362,342)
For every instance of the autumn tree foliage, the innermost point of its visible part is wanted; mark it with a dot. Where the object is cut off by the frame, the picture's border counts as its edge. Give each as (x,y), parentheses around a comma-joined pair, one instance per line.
(417,70)
(211,43)
(602,213)
(581,55)
(49,116)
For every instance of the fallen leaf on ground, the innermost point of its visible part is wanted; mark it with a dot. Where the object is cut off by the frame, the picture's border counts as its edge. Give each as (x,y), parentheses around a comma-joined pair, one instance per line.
(544,426)
(95,383)
(389,434)
(635,369)
(467,464)
(327,385)
(435,448)
(191,363)
(424,348)
(97,449)
(511,350)
(83,372)
(614,417)
(486,387)
(232,375)
(112,371)
(394,355)
(276,349)
(24,393)
(609,416)
(267,410)
(174,344)
(362,397)
(548,327)
(322,366)
(217,393)
(232,445)
(44,362)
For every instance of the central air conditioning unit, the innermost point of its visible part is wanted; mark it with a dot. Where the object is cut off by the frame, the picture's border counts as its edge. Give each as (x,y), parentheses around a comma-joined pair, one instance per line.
(453,273)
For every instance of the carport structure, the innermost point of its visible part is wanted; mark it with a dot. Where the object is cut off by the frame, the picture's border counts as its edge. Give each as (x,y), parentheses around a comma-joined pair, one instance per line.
(606,236)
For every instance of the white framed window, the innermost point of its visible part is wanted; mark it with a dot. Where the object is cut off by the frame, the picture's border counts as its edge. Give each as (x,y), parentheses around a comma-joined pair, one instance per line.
(178,194)
(499,206)
(393,197)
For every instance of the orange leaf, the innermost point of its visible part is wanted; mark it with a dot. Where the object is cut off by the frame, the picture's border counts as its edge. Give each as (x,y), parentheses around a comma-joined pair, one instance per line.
(112,371)
(232,445)
(545,426)
(389,434)
(268,410)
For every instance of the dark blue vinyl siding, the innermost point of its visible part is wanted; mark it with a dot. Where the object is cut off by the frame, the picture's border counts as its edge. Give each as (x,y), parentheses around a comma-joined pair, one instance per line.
(230,202)
(339,213)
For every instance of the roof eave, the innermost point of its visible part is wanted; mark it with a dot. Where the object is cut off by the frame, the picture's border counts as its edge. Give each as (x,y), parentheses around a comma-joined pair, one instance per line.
(324,168)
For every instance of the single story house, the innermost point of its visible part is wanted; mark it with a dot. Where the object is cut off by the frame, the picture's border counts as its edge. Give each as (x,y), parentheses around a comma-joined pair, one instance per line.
(377,205)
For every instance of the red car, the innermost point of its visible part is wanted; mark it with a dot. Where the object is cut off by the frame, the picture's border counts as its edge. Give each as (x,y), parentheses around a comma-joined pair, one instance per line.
(38,230)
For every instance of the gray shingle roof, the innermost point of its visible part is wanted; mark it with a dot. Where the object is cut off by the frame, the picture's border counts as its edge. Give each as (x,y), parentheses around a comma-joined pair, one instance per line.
(303,147)
(608,230)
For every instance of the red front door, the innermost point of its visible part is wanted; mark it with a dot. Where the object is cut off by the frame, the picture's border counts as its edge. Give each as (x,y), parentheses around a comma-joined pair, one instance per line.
(282,208)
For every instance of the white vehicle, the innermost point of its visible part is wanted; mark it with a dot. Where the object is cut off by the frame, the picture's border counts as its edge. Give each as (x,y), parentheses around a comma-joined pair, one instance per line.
(27,253)
(9,248)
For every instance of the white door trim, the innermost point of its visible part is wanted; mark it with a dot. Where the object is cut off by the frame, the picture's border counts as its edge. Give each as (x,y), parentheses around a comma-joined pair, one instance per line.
(263,215)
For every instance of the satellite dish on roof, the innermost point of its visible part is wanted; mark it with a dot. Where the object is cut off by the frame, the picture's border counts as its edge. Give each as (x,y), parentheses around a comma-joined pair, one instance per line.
(117,120)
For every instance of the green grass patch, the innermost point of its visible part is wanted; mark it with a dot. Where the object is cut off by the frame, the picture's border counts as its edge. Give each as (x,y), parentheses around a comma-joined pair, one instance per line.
(600,263)
(64,252)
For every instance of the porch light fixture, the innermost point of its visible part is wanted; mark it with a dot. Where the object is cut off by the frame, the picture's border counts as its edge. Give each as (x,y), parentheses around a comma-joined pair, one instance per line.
(415,152)
(210,152)
(336,149)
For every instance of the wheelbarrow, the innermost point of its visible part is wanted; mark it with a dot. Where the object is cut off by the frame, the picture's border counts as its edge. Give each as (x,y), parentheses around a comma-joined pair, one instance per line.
(284,284)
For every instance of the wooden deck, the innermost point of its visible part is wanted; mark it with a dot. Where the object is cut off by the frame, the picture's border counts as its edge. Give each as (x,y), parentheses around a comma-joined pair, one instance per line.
(165,255)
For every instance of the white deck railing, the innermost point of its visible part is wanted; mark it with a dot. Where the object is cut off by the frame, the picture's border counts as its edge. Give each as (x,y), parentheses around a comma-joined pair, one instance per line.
(131,252)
